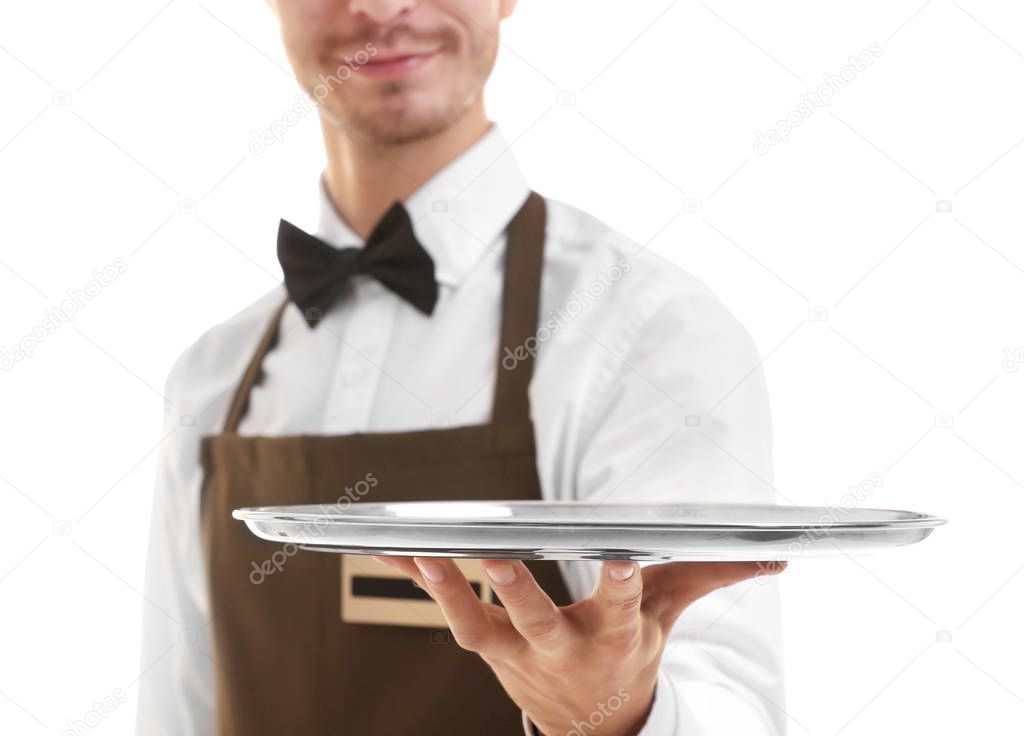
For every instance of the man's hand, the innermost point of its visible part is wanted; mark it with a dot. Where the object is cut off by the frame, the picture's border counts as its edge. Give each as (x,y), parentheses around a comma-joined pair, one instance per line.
(600,655)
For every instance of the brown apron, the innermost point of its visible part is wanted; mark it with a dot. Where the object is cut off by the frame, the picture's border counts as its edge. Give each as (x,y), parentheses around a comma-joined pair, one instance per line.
(286,662)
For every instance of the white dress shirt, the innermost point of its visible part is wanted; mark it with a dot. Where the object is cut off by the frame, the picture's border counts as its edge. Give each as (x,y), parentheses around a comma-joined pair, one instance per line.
(645,389)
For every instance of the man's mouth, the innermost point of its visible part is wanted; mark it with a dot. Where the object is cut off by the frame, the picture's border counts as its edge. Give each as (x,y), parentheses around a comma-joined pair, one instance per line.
(393,64)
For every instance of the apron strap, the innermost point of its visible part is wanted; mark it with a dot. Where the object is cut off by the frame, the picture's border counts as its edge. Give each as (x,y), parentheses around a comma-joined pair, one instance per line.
(524,258)
(253,372)
(520,306)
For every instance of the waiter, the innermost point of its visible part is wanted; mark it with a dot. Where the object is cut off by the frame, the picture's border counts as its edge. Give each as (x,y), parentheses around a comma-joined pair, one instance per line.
(445,333)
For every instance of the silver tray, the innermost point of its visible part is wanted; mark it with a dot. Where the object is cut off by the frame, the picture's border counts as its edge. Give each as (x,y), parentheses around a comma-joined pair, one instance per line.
(535,530)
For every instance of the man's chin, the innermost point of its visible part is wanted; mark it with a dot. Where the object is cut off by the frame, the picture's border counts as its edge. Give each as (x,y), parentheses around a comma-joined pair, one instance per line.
(391,129)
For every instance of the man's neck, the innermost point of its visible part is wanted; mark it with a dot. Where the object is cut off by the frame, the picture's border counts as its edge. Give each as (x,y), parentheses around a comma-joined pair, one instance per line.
(363,180)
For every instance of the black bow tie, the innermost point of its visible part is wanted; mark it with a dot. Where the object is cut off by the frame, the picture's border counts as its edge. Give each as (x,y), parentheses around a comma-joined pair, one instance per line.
(316,273)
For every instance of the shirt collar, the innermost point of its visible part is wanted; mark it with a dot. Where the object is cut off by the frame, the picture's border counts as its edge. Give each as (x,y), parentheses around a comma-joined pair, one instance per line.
(458,213)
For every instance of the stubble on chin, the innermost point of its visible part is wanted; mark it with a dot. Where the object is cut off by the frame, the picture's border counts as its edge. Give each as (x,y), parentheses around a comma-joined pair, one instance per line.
(387,118)
(391,124)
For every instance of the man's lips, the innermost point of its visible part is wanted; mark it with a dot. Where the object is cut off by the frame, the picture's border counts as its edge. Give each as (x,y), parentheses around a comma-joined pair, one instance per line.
(393,65)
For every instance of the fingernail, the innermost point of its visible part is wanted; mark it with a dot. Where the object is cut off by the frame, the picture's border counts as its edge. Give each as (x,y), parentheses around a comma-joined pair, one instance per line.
(622,573)
(432,571)
(501,574)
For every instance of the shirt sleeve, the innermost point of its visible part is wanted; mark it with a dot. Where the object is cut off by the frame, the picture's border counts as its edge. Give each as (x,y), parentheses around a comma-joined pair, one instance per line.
(683,415)
(176,686)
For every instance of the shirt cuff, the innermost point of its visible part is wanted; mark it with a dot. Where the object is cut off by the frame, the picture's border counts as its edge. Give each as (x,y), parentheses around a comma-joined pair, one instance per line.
(663,720)
(704,710)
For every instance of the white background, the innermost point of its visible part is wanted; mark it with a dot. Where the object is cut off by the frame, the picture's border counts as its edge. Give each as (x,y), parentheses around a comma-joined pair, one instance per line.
(892,331)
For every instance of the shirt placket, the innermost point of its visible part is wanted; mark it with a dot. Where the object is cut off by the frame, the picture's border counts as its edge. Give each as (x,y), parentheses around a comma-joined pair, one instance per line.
(363,339)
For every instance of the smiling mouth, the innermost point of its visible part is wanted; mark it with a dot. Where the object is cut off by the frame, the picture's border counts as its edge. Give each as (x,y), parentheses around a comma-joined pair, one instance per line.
(393,65)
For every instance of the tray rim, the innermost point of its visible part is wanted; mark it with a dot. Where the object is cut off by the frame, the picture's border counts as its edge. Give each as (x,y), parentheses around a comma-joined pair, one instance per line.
(281,514)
